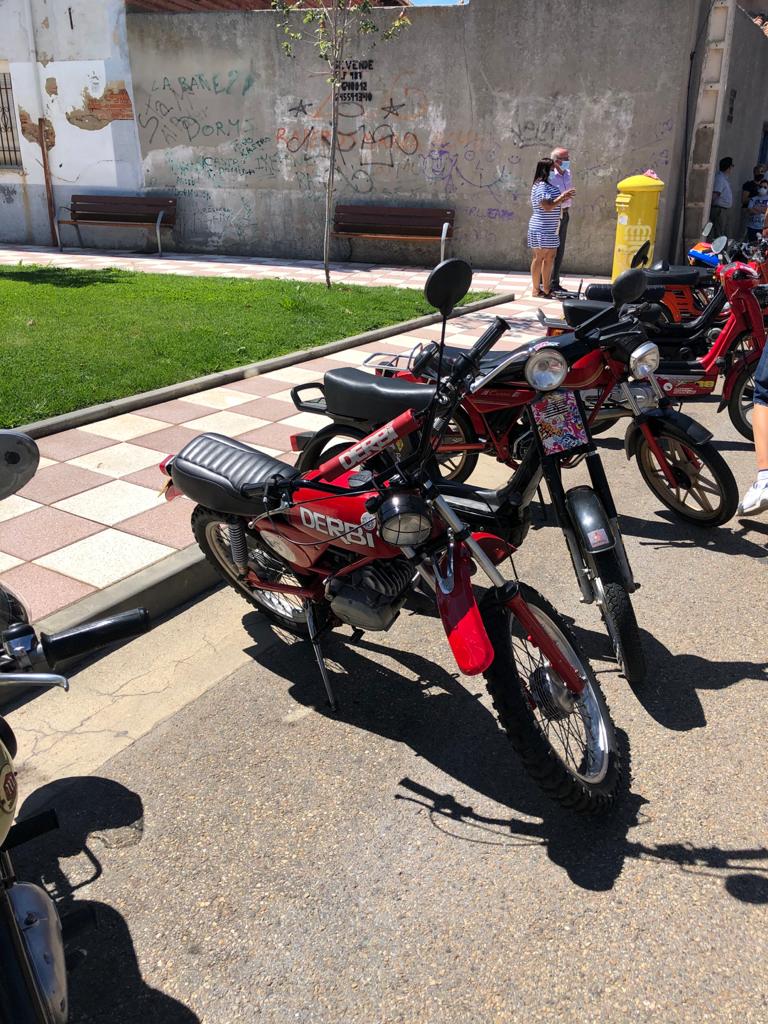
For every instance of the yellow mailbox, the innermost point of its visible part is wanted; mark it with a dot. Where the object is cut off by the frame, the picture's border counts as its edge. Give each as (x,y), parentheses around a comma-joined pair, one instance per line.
(637,207)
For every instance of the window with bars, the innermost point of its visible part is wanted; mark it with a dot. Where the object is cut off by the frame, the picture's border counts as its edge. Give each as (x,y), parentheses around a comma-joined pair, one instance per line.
(10,154)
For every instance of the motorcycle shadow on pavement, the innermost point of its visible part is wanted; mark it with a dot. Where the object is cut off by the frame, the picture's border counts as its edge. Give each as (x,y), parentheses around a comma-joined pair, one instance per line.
(425,707)
(105,982)
(664,531)
(669,693)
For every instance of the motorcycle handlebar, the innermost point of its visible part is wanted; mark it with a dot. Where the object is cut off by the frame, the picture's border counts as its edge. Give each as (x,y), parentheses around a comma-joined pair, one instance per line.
(94,635)
(485,343)
(604,316)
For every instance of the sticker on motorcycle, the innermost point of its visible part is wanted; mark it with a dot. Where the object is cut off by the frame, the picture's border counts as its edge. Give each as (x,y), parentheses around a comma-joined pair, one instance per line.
(559,422)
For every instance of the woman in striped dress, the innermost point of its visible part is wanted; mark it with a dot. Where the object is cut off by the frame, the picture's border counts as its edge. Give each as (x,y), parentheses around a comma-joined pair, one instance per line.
(544,226)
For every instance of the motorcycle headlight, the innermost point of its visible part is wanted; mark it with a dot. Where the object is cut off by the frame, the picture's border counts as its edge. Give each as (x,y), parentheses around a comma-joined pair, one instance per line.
(644,360)
(404,521)
(546,369)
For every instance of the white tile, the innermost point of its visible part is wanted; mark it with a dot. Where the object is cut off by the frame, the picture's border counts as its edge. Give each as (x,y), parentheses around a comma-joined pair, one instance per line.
(293,375)
(349,356)
(45,462)
(305,421)
(125,427)
(267,451)
(218,398)
(119,459)
(16,506)
(105,557)
(8,562)
(280,396)
(229,423)
(111,503)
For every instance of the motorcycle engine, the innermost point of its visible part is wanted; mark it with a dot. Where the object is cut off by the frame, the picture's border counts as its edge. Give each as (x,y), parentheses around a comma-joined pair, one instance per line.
(371,598)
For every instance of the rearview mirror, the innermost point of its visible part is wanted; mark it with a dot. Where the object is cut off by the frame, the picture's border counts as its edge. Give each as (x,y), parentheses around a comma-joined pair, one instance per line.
(629,287)
(19,458)
(719,244)
(707,229)
(641,256)
(448,284)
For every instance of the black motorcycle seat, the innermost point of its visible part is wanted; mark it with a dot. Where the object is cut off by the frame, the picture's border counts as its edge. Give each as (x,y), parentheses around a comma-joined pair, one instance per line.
(452,355)
(227,475)
(604,293)
(691,277)
(577,311)
(357,395)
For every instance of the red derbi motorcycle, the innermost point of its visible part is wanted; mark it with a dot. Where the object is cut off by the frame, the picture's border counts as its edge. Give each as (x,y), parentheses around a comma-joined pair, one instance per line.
(340,545)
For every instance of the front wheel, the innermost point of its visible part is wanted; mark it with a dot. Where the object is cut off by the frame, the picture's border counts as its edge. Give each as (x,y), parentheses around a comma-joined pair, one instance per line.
(568,744)
(704,491)
(742,402)
(619,617)
(457,464)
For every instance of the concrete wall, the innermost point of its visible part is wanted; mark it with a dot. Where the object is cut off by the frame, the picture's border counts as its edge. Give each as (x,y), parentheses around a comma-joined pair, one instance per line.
(455,111)
(746,109)
(68,61)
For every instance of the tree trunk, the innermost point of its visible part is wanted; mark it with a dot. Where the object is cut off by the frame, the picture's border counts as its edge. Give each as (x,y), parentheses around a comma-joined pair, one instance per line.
(330,183)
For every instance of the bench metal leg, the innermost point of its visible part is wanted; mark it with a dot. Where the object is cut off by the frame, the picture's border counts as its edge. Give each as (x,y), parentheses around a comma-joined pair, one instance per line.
(157,232)
(79,236)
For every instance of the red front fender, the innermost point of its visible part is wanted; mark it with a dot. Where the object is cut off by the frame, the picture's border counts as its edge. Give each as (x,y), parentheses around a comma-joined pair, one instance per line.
(461,617)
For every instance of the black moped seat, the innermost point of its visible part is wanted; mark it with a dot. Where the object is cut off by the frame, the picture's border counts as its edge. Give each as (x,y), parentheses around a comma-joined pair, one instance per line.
(691,277)
(428,366)
(227,475)
(356,395)
(577,311)
(604,293)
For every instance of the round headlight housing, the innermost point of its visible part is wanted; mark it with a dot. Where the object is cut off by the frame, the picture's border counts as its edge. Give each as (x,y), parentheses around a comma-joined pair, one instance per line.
(546,369)
(644,360)
(404,521)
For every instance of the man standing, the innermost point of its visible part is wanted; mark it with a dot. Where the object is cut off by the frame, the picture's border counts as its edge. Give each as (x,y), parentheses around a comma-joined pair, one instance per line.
(722,197)
(561,179)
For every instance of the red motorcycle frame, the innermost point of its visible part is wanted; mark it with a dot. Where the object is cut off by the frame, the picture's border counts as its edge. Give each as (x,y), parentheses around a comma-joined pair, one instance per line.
(312,526)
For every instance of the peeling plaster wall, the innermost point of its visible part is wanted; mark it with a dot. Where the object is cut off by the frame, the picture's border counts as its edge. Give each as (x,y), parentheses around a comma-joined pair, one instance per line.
(68,61)
(454,112)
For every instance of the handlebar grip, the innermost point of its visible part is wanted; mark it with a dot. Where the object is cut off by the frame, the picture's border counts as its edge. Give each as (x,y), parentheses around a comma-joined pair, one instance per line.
(485,343)
(94,635)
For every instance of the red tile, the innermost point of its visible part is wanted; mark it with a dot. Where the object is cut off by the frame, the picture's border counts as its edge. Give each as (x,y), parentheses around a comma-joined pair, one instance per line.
(42,590)
(273,436)
(71,443)
(167,524)
(259,385)
(151,477)
(170,440)
(45,529)
(61,481)
(175,411)
(267,409)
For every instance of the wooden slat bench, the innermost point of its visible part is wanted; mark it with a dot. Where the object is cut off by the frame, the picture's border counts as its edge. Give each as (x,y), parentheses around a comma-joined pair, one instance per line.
(398,223)
(119,211)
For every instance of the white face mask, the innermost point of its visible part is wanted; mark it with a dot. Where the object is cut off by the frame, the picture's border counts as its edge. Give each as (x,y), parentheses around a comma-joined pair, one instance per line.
(762,191)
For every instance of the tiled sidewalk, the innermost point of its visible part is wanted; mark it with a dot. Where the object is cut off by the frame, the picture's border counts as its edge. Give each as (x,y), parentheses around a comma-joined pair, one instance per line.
(92,515)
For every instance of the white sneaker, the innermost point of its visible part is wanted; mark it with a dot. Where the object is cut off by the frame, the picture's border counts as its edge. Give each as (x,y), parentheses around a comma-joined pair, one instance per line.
(755,500)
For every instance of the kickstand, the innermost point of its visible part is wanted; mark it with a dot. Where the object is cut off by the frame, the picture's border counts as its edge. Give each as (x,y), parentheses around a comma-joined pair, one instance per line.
(543,508)
(314,636)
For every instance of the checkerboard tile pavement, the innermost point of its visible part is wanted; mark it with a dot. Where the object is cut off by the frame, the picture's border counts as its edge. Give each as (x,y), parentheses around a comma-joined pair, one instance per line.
(92,515)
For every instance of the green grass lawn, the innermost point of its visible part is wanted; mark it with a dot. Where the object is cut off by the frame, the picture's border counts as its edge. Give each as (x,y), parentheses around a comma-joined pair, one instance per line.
(72,338)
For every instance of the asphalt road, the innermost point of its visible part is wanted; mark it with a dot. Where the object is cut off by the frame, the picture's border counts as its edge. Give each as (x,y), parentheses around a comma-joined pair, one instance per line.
(260,860)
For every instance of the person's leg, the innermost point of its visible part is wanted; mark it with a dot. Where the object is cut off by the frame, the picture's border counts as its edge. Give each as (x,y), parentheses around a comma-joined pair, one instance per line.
(561,248)
(536,262)
(716,217)
(546,270)
(756,498)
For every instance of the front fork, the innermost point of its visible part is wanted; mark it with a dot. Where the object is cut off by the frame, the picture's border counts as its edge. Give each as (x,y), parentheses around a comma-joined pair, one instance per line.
(513,600)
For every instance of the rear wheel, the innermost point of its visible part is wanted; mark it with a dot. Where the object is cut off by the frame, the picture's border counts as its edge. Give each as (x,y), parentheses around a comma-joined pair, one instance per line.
(567,743)
(742,401)
(211,530)
(705,491)
(458,465)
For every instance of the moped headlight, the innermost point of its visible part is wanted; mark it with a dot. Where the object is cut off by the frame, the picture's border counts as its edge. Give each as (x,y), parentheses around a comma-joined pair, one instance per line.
(644,360)
(546,369)
(404,521)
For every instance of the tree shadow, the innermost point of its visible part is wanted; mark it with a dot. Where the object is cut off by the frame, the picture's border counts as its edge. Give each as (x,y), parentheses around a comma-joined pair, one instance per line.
(669,692)
(573,846)
(61,277)
(442,720)
(105,981)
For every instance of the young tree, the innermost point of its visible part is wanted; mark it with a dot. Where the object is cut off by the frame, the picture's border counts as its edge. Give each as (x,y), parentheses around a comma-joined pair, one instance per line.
(331,24)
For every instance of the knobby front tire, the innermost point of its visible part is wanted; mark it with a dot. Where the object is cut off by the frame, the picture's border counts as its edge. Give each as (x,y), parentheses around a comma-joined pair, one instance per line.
(619,617)
(573,756)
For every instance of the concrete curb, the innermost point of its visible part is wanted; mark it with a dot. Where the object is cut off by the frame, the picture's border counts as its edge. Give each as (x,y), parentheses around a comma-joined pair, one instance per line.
(79,417)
